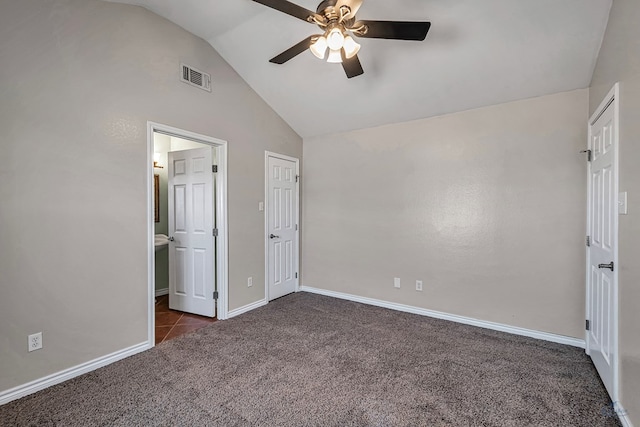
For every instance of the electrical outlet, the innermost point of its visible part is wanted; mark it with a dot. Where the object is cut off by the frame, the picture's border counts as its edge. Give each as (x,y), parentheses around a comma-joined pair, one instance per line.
(249,282)
(35,341)
(418,285)
(396,282)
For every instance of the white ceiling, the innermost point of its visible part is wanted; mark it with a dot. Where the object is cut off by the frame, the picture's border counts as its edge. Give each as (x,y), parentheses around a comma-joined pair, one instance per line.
(477,53)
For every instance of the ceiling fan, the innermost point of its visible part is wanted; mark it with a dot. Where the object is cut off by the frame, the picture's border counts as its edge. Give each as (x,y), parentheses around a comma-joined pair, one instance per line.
(337,20)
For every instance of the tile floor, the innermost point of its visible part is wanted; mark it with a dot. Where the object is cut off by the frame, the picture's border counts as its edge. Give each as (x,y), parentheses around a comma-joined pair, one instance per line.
(171,323)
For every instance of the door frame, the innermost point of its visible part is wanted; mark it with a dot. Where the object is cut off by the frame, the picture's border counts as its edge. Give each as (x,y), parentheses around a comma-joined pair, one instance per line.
(222,242)
(267,155)
(611,100)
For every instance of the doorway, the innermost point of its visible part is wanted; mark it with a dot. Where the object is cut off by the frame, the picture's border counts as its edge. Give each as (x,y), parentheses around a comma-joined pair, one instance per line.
(282,195)
(602,242)
(193,214)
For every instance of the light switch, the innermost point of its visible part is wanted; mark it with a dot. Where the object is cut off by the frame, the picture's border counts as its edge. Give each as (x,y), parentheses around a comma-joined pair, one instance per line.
(261,206)
(622,203)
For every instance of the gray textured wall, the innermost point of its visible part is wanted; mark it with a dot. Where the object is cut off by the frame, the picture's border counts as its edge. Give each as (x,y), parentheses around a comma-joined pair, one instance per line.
(486,207)
(79,80)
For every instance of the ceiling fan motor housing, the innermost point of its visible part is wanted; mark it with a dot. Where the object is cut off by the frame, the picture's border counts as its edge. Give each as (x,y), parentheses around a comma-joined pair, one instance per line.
(325,5)
(329,14)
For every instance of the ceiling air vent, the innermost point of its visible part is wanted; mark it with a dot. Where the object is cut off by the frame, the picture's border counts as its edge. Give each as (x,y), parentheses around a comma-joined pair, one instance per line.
(195,77)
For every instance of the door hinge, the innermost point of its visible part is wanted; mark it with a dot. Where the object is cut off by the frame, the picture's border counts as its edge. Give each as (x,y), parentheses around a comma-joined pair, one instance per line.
(215,232)
(588,154)
(296,275)
(297,178)
(587,325)
(214,168)
(296,227)
(588,240)
(215,294)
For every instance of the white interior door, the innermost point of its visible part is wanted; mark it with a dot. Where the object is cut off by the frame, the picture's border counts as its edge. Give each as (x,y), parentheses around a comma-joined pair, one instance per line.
(282,202)
(191,224)
(602,272)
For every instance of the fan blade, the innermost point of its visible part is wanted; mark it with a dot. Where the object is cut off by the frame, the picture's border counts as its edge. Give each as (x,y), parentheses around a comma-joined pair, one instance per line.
(397,30)
(354,5)
(294,51)
(351,66)
(287,7)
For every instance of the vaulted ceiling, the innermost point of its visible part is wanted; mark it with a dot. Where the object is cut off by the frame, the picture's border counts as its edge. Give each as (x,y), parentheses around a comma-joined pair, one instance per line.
(477,53)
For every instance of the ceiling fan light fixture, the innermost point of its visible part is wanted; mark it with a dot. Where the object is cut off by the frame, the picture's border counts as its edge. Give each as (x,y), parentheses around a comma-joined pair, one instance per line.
(351,47)
(335,39)
(319,48)
(335,57)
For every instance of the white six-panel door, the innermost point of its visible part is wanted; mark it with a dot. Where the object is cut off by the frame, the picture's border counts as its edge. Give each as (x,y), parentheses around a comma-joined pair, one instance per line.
(602,283)
(191,224)
(281,227)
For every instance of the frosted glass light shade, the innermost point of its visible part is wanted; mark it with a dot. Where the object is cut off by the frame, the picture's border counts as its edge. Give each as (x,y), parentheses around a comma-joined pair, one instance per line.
(335,39)
(335,57)
(319,48)
(351,48)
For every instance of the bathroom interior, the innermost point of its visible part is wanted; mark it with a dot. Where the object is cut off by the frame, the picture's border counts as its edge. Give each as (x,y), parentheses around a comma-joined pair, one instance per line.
(169,323)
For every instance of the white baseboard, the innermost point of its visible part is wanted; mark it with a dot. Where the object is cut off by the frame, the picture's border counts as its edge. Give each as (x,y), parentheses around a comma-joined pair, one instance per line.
(53,379)
(163,291)
(623,415)
(561,339)
(245,308)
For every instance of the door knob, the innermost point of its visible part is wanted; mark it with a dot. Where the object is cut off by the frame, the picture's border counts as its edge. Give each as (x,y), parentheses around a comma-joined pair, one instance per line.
(171,239)
(273,236)
(609,266)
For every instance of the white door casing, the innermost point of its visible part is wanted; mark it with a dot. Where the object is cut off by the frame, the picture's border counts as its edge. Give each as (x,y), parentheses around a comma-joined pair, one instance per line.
(602,254)
(191,224)
(281,225)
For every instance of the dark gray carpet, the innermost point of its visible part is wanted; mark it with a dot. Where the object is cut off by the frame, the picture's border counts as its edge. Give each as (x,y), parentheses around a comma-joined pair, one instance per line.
(308,360)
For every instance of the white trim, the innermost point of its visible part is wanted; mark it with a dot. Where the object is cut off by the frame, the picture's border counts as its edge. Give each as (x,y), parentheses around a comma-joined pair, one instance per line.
(623,415)
(67,374)
(222,246)
(222,242)
(612,99)
(546,336)
(163,291)
(246,308)
(587,267)
(151,249)
(268,154)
